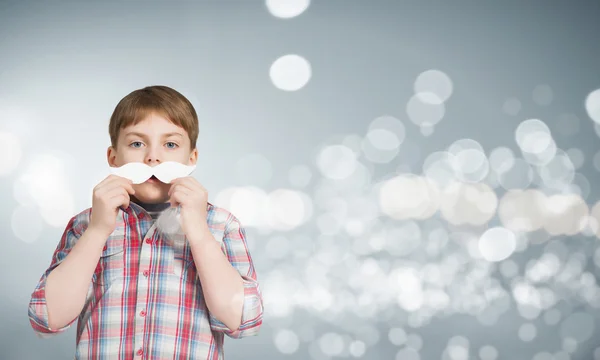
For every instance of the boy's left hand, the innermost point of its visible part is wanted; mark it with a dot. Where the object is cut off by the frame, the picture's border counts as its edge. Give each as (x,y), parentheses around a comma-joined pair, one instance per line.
(188,193)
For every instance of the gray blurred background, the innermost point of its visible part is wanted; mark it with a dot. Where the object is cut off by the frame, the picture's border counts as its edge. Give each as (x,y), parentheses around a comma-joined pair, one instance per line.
(419,180)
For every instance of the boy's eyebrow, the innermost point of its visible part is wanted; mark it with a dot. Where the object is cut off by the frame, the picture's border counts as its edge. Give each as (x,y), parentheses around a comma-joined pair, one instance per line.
(133,133)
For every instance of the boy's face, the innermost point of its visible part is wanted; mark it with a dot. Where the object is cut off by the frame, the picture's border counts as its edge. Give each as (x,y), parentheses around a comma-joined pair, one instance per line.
(152,141)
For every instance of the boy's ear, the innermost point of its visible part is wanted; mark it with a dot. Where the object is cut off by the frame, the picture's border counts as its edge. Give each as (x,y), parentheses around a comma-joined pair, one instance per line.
(111,155)
(194,156)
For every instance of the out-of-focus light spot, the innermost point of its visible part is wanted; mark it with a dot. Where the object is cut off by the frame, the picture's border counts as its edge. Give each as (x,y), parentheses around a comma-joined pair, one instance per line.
(409,197)
(433,82)
(595,217)
(58,214)
(408,354)
(247,203)
(488,352)
(286,341)
(10,148)
(522,210)
(501,159)
(580,186)
(438,167)
(592,105)
(569,345)
(403,239)
(458,352)
(386,132)
(397,336)
(426,129)
(562,355)
(552,317)
(533,136)
(543,95)
(527,332)
(353,142)
(543,269)
(254,170)
(577,157)
(288,209)
(21,192)
(469,161)
(559,172)
(27,223)
(287,9)
(406,282)
(596,161)
(300,176)
(414,341)
(47,184)
(597,354)
(357,348)
(497,244)
(331,344)
(337,162)
(519,176)
(579,326)
(544,355)
(290,72)
(511,106)
(376,139)
(463,203)
(429,111)
(44,176)
(565,214)
(383,139)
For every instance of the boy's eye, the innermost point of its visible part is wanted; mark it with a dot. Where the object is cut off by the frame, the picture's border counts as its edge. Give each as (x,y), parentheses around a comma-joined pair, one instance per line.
(171,145)
(136,144)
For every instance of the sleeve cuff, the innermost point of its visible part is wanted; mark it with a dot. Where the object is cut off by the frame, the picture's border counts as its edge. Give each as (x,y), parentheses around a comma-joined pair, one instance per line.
(252,313)
(38,312)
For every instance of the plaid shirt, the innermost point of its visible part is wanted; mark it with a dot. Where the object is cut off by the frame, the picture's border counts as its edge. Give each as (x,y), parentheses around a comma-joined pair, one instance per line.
(145,299)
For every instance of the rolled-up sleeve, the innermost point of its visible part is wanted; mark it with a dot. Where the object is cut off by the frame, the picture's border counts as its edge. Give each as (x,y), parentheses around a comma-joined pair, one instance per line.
(38,311)
(235,248)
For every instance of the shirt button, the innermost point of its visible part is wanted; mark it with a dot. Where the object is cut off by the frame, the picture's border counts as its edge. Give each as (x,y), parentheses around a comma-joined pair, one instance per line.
(142,313)
(148,241)
(140,215)
(140,352)
(146,273)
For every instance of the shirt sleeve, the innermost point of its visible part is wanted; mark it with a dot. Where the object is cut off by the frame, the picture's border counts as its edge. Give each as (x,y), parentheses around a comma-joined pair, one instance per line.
(38,311)
(236,249)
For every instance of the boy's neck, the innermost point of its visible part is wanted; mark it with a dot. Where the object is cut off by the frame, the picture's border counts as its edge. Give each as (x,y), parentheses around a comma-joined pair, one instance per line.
(153,209)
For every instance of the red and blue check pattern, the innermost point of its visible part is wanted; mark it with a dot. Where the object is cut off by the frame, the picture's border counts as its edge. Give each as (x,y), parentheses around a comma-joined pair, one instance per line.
(145,299)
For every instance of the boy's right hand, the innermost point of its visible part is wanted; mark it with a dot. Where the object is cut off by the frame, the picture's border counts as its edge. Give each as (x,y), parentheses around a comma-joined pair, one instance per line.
(108,195)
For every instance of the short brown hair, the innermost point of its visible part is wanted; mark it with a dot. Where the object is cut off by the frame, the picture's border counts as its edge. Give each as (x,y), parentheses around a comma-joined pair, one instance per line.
(163,100)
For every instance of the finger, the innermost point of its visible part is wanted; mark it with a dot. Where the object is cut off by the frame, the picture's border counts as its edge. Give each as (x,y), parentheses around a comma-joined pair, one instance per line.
(191,184)
(117,195)
(178,197)
(110,179)
(118,200)
(117,184)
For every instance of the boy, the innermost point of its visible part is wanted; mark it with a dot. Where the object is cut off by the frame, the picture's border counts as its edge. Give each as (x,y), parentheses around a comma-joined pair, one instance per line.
(136,292)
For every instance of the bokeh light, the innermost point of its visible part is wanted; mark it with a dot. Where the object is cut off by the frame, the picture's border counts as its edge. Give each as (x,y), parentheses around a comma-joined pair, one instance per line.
(592,105)
(11,150)
(433,86)
(290,72)
(287,9)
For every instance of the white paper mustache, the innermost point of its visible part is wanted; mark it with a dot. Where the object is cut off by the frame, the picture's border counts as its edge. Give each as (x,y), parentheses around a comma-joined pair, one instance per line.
(166,172)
